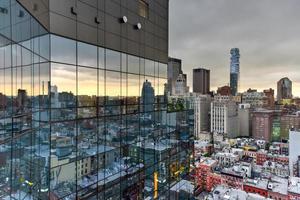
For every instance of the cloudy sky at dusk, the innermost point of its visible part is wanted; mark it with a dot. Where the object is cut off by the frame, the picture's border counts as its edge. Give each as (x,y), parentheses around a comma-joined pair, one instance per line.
(267,32)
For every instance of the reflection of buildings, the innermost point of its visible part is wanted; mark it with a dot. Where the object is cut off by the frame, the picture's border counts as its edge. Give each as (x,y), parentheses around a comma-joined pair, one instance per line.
(234,70)
(147,98)
(68,132)
(284,89)
(21,98)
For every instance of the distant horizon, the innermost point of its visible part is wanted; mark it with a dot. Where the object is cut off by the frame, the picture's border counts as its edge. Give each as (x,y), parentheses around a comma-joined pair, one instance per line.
(205,31)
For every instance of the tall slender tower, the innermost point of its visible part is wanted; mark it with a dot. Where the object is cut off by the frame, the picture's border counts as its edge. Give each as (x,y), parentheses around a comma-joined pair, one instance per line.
(234,70)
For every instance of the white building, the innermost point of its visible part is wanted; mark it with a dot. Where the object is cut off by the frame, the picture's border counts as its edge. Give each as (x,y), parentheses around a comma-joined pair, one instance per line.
(224,116)
(201,114)
(181,87)
(254,98)
(294,150)
(226,159)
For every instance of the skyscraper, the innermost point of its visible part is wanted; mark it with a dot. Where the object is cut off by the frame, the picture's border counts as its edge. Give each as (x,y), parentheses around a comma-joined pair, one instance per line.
(224,116)
(269,93)
(181,87)
(174,69)
(262,121)
(202,114)
(244,120)
(284,89)
(82,66)
(201,80)
(234,70)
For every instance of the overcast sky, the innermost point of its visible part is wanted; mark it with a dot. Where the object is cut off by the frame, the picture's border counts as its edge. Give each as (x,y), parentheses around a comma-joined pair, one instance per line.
(267,32)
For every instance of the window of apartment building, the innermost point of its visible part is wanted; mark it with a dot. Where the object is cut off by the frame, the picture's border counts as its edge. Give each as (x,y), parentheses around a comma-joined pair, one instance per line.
(143,9)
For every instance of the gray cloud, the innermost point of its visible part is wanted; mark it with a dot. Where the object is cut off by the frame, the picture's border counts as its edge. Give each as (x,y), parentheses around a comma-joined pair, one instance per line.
(202,32)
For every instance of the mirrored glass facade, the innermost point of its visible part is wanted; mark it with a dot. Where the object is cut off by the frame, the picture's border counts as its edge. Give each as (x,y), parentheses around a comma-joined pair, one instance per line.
(79,121)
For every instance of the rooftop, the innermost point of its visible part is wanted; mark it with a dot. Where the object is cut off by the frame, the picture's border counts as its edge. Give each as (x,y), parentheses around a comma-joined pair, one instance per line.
(279,185)
(258,183)
(224,193)
(294,185)
(183,185)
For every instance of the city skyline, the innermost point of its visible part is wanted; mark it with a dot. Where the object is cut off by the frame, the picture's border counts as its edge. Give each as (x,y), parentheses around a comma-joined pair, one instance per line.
(268,41)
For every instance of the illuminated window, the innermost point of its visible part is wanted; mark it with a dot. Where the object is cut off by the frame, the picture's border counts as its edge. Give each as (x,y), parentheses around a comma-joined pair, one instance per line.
(143,9)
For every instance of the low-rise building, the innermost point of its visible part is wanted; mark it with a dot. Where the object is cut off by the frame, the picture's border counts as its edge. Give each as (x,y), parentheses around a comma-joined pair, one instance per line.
(294,188)
(257,186)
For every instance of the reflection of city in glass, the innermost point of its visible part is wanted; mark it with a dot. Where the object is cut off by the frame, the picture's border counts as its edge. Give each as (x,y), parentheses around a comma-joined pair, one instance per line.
(83,122)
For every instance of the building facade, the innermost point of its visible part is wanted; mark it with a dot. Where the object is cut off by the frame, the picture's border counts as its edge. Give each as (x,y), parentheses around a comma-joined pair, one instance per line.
(269,93)
(262,122)
(224,116)
(294,152)
(287,122)
(201,81)
(244,120)
(255,99)
(174,69)
(72,76)
(234,70)
(284,89)
(224,90)
(202,114)
(181,87)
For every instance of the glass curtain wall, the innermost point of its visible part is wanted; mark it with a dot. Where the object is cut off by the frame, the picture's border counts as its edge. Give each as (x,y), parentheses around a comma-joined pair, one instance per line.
(24,104)
(79,121)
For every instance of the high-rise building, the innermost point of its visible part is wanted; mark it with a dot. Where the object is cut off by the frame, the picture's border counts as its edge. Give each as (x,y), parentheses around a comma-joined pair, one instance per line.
(181,87)
(287,122)
(201,80)
(224,90)
(201,114)
(284,89)
(244,120)
(174,69)
(234,70)
(255,99)
(269,93)
(262,124)
(224,116)
(83,66)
